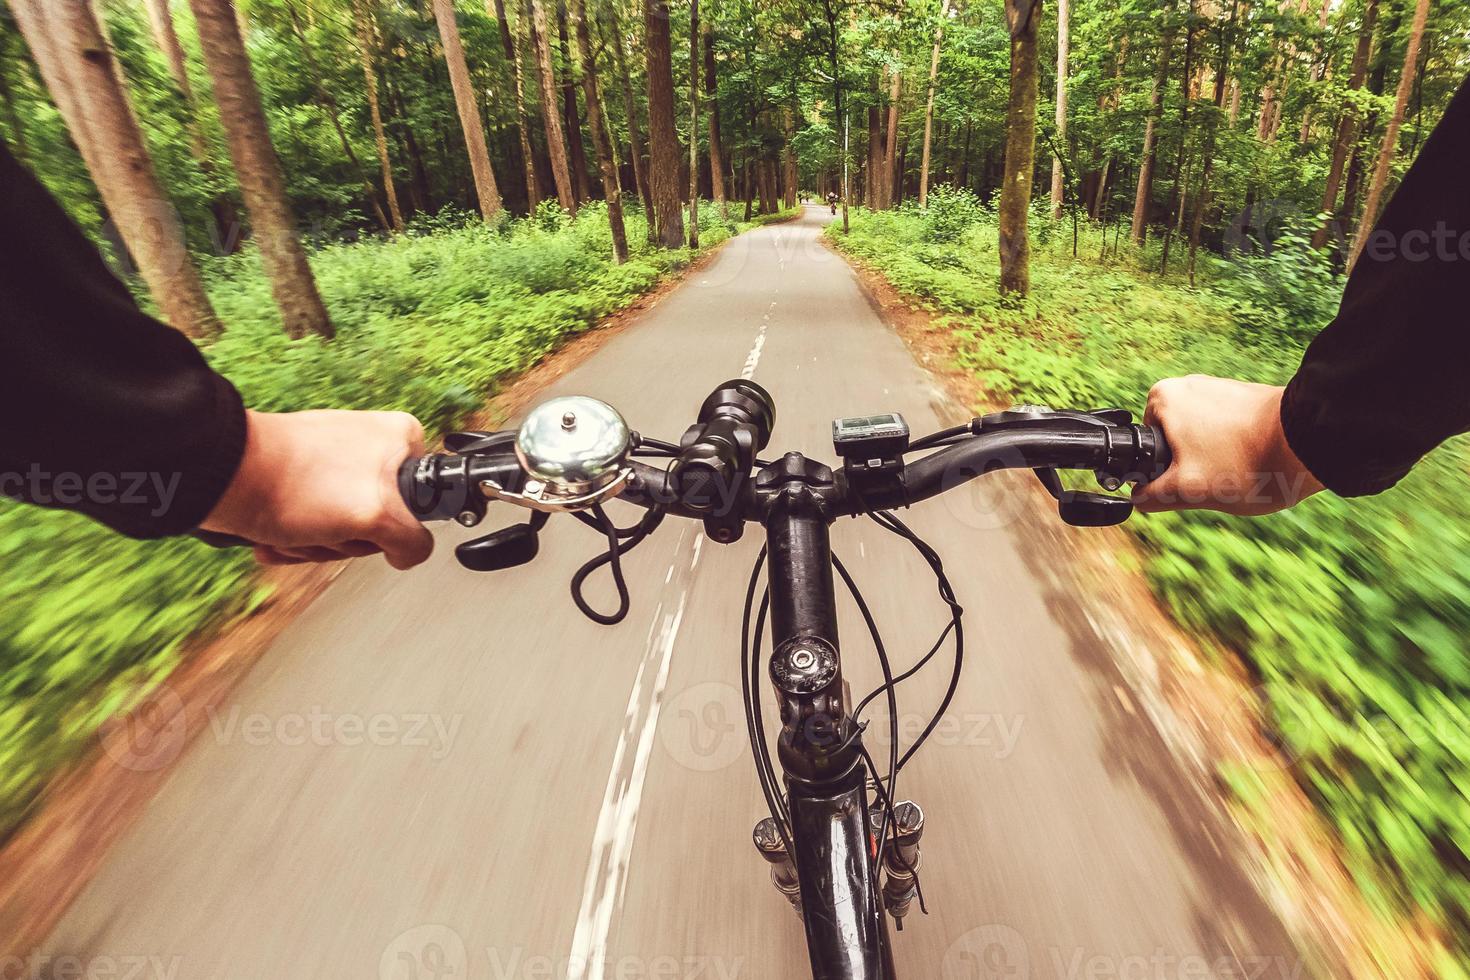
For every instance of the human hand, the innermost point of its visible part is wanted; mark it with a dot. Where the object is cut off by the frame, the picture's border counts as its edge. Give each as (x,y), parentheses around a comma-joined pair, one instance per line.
(1230,453)
(323,485)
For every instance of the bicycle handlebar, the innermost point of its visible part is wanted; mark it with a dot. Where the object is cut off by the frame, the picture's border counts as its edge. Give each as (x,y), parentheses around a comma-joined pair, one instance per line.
(453,486)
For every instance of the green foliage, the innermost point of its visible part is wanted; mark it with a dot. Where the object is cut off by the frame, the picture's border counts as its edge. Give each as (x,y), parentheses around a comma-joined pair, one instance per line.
(427,323)
(1351,613)
(952,211)
(1286,291)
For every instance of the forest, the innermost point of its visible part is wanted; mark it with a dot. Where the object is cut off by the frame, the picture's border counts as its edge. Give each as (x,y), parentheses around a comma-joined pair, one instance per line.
(402,203)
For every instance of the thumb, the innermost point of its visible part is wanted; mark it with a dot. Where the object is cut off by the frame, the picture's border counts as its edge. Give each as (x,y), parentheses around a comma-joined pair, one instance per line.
(1161,494)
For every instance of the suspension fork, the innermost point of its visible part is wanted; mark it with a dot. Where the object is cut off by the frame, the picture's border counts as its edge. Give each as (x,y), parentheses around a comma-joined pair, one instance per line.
(846,932)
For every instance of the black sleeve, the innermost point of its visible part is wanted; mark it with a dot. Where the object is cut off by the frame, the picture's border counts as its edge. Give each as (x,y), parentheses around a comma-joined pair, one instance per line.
(103,409)
(1389,379)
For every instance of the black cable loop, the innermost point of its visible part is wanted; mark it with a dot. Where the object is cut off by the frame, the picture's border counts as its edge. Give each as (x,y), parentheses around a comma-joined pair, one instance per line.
(613,556)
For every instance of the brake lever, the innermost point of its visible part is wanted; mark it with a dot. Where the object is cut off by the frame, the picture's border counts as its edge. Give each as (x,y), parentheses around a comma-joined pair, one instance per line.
(507,548)
(1082,509)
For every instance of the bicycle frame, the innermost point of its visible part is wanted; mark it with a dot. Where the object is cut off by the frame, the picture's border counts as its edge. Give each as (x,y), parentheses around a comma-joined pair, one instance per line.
(826,780)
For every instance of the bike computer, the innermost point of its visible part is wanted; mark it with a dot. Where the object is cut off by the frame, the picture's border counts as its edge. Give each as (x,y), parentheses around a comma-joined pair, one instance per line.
(870,437)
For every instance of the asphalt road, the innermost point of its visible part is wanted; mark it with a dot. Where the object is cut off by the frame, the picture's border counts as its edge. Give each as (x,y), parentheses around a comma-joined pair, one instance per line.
(447,774)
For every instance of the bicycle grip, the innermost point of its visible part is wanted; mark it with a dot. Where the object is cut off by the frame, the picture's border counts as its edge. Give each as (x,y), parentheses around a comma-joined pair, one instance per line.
(1163,453)
(434,487)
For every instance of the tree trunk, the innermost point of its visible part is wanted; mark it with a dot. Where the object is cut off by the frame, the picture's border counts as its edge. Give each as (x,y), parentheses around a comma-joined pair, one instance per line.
(160,19)
(419,197)
(1347,126)
(1319,68)
(1099,192)
(78,67)
(1277,78)
(1015,194)
(1179,192)
(367,48)
(258,170)
(601,142)
(929,107)
(898,174)
(518,80)
(790,173)
(663,161)
(1391,135)
(1145,191)
(556,141)
(873,167)
(712,110)
(964,174)
(890,148)
(636,148)
(226,219)
(576,149)
(328,103)
(693,123)
(1058,173)
(469,110)
(1227,41)
(747,188)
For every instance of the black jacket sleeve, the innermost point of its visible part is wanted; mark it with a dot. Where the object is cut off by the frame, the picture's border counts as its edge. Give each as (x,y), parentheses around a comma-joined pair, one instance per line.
(1389,379)
(103,409)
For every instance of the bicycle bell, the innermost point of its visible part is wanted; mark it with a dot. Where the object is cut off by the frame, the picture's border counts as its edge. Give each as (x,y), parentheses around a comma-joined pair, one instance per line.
(574,447)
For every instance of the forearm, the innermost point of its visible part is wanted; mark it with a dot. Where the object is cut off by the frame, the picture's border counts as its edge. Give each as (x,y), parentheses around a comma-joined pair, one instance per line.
(107,411)
(1385,382)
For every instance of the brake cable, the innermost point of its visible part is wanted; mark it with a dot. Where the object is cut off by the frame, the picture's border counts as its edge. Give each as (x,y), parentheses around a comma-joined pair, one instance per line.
(893,761)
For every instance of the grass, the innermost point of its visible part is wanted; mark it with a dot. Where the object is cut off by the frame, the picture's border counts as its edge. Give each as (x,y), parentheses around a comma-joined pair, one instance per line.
(1352,614)
(428,322)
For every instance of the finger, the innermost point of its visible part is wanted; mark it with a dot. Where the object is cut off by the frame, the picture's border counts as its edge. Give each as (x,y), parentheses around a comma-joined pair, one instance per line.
(1152,407)
(357,549)
(266,555)
(404,544)
(411,429)
(314,553)
(1158,495)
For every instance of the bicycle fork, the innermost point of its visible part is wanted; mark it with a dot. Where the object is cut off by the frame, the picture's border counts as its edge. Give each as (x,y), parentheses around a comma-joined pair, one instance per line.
(901,858)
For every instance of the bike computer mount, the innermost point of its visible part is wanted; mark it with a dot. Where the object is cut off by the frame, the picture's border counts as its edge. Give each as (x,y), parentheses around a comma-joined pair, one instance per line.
(871,448)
